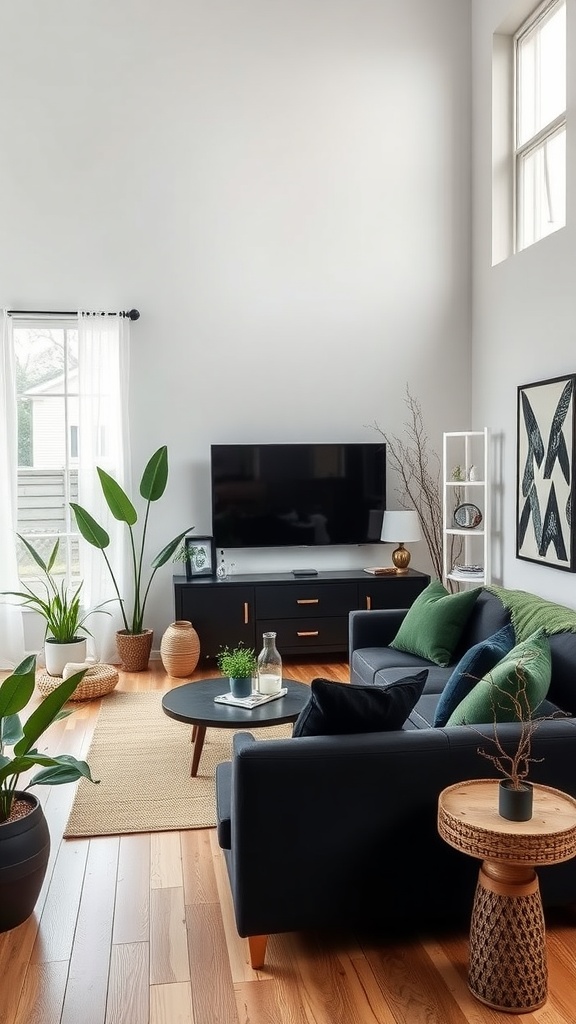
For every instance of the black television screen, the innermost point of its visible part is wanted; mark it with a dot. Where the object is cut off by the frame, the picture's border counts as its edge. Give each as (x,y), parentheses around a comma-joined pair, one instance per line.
(284,495)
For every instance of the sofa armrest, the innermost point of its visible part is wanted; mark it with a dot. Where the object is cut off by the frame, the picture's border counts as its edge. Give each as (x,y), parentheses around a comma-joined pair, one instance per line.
(375,628)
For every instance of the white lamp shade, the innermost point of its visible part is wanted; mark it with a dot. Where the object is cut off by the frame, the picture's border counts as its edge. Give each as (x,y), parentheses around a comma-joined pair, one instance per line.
(401,527)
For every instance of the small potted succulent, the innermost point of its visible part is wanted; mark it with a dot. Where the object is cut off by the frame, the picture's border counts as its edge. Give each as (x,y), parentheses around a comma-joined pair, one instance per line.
(24,835)
(239,664)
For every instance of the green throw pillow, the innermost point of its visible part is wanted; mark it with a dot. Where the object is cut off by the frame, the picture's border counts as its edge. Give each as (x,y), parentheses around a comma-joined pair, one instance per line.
(433,625)
(488,701)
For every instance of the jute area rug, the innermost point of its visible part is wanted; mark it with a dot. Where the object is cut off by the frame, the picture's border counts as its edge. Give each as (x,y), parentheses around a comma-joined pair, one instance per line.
(142,759)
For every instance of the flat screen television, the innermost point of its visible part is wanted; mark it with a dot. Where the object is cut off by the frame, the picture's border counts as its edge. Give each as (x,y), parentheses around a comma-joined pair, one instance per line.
(287,495)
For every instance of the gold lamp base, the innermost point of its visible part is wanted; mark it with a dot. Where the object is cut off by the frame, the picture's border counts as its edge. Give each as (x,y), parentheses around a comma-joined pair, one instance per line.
(401,558)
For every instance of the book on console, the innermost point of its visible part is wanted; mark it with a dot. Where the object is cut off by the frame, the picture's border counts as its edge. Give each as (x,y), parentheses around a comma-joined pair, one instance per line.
(253,701)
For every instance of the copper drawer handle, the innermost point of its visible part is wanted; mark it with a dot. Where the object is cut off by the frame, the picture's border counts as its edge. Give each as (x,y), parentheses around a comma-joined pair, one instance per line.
(368,602)
(308,600)
(310,632)
(245,613)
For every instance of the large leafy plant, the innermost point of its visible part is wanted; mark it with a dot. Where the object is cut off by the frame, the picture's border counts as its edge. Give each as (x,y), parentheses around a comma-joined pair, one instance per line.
(15,693)
(60,609)
(152,487)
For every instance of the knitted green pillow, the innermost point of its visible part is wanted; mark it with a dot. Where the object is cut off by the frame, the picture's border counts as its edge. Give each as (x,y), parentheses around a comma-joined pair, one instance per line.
(433,625)
(489,701)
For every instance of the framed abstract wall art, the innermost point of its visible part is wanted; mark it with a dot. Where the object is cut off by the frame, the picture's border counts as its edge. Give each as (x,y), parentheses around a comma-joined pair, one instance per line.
(545,473)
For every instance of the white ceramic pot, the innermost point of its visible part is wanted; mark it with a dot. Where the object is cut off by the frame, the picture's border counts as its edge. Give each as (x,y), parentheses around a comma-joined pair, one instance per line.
(58,655)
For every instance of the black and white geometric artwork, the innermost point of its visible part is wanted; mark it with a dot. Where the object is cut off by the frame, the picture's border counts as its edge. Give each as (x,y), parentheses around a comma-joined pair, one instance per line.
(545,485)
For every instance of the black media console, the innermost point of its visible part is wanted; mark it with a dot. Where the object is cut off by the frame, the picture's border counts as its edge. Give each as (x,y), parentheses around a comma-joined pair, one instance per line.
(310,616)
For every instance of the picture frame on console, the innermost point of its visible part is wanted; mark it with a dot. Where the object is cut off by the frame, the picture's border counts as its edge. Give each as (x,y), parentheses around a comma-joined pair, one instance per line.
(200,557)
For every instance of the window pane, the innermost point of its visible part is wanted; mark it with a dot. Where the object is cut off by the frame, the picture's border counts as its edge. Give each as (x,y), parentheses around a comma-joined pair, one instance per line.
(542,190)
(542,74)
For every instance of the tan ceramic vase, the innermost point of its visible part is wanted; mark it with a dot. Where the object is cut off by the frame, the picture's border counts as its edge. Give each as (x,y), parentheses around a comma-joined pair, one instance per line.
(134,649)
(180,648)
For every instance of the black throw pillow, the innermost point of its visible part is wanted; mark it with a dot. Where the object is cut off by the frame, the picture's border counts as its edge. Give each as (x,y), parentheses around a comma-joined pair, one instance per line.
(334,709)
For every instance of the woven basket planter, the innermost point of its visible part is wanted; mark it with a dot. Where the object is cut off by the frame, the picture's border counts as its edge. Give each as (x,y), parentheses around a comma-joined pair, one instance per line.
(98,680)
(180,649)
(134,649)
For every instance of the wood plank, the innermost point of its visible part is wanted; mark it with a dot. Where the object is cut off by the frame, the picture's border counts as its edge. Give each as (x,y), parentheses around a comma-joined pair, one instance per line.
(168,938)
(132,905)
(15,951)
(198,866)
(87,987)
(213,999)
(43,994)
(409,984)
(171,1004)
(165,860)
(128,988)
(58,923)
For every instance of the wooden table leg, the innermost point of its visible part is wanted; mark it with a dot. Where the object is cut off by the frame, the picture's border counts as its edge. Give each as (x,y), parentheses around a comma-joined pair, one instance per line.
(508,966)
(197,749)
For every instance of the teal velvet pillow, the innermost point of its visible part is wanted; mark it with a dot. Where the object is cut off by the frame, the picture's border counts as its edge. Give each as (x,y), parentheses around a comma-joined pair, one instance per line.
(471,668)
(433,625)
(489,700)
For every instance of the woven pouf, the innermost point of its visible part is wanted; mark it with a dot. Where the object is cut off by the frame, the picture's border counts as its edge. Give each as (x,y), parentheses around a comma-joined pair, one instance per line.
(99,679)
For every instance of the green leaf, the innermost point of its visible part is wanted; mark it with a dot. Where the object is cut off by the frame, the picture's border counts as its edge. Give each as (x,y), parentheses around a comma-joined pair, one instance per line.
(17,689)
(11,730)
(167,552)
(91,530)
(117,500)
(46,712)
(155,476)
(66,769)
(53,556)
(37,558)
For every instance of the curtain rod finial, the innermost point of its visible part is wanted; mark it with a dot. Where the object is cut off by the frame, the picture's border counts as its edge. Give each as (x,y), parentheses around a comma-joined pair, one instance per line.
(133,314)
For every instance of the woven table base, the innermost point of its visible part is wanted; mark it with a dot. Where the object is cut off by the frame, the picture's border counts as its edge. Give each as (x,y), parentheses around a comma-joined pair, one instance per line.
(98,680)
(508,968)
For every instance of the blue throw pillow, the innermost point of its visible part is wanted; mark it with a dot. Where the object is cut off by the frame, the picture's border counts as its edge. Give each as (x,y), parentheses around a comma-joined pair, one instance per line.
(472,667)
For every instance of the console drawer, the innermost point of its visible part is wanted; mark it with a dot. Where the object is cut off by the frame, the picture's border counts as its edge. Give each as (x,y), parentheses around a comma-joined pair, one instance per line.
(305,600)
(330,633)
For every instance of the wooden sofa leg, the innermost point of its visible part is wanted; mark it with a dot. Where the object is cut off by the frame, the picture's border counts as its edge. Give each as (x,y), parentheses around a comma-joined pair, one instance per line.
(257,947)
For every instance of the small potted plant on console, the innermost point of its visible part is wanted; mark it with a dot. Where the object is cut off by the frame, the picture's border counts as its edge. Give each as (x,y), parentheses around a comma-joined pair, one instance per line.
(239,664)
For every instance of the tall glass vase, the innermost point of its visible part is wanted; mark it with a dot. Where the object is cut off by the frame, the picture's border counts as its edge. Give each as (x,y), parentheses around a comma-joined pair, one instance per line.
(269,666)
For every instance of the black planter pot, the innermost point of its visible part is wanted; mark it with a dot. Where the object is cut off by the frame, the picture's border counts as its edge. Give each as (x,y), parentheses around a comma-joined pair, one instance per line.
(515,804)
(24,851)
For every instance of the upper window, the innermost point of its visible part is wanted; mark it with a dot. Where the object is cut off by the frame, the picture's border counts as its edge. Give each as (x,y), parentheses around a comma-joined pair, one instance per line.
(540,124)
(47,394)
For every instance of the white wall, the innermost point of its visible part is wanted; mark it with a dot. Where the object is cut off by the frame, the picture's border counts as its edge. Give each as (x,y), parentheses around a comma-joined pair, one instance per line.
(524,309)
(282,189)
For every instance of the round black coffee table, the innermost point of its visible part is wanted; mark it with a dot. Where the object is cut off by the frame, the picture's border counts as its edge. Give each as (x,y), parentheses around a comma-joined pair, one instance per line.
(194,703)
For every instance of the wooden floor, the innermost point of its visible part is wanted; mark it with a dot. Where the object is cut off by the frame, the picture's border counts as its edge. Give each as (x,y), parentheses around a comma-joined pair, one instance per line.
(138,929)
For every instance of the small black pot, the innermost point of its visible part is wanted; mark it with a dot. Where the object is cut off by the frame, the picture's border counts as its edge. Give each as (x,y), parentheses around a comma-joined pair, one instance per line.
(515,804)
(24,850)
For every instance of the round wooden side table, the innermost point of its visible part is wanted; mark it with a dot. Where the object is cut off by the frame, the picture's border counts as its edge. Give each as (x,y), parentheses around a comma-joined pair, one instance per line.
(508,964)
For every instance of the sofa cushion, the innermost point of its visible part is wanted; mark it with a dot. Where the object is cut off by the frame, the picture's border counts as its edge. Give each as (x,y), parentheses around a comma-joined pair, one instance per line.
(368,661)
(472,667)
(433,624)
(335,709)
(437,677)
(492,699)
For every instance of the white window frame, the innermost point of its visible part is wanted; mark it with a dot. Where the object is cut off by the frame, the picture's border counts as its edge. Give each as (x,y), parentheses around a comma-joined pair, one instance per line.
(545,134)
(69,534)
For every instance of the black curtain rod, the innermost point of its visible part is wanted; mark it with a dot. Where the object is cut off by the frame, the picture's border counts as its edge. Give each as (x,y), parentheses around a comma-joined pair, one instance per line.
(132,314)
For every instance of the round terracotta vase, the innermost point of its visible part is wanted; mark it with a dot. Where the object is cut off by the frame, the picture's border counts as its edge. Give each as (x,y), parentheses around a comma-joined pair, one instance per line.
(24,850)
(134,649)
(180,649)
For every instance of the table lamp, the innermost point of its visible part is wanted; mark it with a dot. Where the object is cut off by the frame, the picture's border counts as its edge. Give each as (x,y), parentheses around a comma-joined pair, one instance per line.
(398,528)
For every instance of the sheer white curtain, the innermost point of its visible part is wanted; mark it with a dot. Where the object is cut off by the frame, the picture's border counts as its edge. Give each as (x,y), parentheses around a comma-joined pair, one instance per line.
(103,363)
(11,619)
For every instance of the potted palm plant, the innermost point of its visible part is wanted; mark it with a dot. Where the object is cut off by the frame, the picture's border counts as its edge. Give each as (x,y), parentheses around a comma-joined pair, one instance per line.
(64,637)
(134,641)
(24,835)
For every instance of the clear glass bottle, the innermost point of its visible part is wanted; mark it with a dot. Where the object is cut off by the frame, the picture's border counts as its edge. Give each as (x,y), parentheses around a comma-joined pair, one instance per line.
(269,666)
